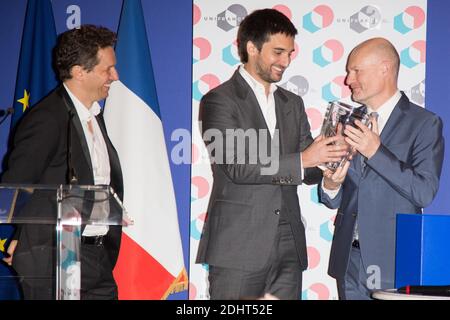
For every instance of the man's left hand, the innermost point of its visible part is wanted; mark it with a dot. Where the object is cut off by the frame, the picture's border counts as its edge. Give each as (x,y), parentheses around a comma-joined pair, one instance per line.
(363,139)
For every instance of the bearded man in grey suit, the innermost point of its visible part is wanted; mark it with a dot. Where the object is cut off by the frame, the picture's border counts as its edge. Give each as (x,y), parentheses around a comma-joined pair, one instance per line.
(254,238)
(396,170)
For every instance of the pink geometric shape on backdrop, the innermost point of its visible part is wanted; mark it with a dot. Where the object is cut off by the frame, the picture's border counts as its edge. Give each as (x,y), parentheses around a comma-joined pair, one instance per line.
(194,153)
(202,186)
(418,14)
(345,90)
(321,290)
(284,10)
(326,13)
(314,117)
(196,13)
(313,257)
(336,47)
(421,45)
(204,46)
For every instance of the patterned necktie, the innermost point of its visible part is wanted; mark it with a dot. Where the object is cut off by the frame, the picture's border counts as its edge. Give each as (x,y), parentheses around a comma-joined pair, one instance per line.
(373,115)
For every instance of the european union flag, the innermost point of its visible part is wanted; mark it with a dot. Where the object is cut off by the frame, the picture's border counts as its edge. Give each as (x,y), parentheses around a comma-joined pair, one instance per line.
(35,77)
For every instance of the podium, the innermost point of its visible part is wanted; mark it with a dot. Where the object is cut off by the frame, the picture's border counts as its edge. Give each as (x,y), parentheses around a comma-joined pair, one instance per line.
(64,211)
(422,254)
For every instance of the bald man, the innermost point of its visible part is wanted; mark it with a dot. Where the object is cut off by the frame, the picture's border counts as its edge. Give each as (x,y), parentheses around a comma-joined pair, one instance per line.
(396,169)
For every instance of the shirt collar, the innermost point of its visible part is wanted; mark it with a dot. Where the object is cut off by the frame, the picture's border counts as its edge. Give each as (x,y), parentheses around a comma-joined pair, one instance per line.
(385,110)
(253,83)
(83,112)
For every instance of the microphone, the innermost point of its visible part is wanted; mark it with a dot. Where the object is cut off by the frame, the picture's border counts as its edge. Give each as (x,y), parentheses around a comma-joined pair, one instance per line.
(71,174)
(6,112)
(426,290)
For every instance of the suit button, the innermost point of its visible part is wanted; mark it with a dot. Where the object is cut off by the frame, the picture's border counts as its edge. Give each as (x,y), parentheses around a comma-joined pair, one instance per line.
(277,212)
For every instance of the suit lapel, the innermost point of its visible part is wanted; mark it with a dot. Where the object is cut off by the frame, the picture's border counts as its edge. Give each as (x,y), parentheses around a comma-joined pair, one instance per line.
(393,122)
(282,111)
(252,108)
(114,162)
(76,125)
(394,119)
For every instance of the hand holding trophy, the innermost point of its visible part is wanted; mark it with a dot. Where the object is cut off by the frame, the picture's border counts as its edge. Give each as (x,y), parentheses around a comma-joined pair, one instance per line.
(337,116)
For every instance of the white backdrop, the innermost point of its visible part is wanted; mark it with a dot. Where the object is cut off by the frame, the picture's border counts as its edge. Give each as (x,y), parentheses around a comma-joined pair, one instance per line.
(328,30)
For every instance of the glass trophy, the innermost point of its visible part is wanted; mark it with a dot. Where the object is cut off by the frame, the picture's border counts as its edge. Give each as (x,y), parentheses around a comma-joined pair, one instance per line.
(337,116)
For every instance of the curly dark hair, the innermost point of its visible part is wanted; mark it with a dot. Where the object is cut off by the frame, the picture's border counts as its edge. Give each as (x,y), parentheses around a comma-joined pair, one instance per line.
(258,26)
(79,47)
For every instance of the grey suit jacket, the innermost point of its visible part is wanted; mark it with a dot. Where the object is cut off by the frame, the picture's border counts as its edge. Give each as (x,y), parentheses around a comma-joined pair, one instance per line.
(402,177)
(245,205)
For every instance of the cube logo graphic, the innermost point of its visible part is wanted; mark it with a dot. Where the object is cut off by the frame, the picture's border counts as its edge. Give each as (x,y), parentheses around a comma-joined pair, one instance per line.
(414,54)
(320,17)
(368,17)
(410,19)
(197,226)
(331,51)
(326,230)
(201,49)
(335,90)
(418,93)
(317,291)
(203,85)
(232,17)
(230,54)
(297,84)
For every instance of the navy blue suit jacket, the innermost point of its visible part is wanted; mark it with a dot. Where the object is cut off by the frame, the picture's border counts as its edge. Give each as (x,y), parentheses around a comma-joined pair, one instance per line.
(401,177)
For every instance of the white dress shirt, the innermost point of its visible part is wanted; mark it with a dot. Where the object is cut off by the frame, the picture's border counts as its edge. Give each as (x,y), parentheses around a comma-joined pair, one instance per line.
(98,153)
(266,103)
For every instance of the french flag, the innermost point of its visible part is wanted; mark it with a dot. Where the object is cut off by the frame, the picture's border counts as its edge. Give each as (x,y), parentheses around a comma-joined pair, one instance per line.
(150,263)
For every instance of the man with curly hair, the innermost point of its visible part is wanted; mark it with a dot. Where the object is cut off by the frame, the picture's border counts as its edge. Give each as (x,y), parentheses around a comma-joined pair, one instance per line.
(63,140)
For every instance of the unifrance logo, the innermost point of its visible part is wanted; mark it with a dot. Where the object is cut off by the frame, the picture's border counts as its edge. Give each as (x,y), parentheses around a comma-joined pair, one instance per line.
(230,54)
(368,17)
(335,90)
(201,49)
(418,93)
(320,17)
(331,51)
(297,84)
(414,54)
(317,291)
(203,85)
(410,19)
(232,17)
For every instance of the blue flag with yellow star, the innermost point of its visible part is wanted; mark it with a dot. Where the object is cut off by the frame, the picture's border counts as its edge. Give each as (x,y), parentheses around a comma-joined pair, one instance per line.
(35,77)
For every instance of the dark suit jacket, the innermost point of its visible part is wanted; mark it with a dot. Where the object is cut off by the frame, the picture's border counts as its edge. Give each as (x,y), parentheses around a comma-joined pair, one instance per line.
(39,155)
(402,177)
(245,205)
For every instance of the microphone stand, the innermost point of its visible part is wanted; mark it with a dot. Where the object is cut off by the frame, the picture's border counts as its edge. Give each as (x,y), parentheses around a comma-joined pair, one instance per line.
(5,114)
